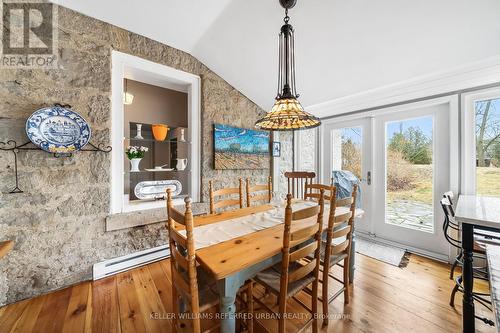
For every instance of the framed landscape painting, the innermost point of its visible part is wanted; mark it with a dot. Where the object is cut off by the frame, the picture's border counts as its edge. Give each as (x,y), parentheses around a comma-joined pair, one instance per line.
(240,148)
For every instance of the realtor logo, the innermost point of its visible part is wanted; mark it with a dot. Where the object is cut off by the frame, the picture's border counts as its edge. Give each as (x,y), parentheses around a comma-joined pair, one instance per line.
(28,34)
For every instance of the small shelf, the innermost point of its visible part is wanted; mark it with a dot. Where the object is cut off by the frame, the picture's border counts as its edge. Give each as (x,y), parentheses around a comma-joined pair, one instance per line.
(145,171)
(156,141)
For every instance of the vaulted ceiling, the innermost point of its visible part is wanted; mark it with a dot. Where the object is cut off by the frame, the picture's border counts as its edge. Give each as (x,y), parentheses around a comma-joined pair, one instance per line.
(342,47)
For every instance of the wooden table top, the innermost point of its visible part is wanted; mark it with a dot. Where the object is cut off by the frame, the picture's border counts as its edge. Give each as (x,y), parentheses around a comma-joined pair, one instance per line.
(5,247)
(229,257)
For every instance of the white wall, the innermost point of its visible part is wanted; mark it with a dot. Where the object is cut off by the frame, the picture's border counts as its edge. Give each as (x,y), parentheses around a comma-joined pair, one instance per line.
(342,47)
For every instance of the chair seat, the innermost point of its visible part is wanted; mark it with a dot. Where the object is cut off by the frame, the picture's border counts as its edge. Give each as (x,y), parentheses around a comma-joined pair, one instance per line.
(480,242)
(334,259)
(207,294)
(271,279)
(207,298)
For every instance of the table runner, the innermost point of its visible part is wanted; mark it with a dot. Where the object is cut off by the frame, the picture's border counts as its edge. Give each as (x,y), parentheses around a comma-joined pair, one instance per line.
(218,232)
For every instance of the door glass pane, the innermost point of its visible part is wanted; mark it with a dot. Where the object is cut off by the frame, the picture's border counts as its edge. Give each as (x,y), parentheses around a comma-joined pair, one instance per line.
(409,175)
(488,147)
(346,150)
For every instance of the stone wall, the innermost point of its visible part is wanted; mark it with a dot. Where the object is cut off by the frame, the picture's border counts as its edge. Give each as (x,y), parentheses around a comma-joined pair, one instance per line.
(58,223)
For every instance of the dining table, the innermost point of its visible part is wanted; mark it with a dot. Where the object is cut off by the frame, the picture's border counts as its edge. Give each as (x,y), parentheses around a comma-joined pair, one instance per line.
(474,212)
(233,246)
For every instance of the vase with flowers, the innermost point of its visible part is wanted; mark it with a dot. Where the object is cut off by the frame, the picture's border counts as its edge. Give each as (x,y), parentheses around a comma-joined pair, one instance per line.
(135,154)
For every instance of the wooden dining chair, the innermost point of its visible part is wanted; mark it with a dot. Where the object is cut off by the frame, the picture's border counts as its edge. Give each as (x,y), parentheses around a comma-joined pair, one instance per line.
(293,274)
(227,193)
(313,192)
(255,192)
(336,249)
(296,181)
(190,283)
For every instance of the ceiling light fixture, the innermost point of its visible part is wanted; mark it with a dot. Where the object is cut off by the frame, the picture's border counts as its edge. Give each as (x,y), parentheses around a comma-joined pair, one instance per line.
(287,113)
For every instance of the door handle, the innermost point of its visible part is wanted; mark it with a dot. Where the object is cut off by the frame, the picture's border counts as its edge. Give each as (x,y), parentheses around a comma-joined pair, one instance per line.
(369,178)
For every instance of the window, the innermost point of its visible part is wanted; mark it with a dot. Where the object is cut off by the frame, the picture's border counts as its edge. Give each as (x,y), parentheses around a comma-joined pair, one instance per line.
(155,127)
(158,108)
(487,137)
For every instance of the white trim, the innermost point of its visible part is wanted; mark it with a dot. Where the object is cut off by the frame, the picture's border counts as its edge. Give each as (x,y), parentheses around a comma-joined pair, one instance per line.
(131,67)
(411,249)
(468,141)
(470,75)
(124,263)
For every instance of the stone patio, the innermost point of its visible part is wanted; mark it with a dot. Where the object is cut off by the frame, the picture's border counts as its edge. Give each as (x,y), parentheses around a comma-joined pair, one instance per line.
(411,214)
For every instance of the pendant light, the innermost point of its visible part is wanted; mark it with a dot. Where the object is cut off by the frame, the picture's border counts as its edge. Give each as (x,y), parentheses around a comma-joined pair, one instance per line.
(287,112)
(128,98)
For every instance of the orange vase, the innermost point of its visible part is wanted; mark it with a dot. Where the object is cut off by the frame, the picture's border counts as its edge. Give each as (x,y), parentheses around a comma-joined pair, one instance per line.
(160,131)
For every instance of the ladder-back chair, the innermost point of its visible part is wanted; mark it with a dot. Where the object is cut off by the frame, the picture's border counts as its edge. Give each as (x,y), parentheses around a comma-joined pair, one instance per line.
(293,274)
(227,193)
(185,277)
(190,283)
(256,192)
(296,181)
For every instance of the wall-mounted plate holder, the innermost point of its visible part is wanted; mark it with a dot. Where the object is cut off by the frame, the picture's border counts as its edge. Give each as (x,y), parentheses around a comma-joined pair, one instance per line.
(11,145)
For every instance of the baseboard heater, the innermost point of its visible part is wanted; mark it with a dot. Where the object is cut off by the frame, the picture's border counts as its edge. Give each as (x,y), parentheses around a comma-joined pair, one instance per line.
(129,261)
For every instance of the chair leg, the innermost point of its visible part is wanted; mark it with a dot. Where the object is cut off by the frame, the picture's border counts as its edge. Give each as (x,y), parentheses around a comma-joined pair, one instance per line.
(314,300)
(175,306)
(455,263)
(324,295)
(452,297)
(346,280)
(250,307)
(281,319)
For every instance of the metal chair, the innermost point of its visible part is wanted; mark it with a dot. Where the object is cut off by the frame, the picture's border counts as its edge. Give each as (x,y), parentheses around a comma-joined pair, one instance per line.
(479,272)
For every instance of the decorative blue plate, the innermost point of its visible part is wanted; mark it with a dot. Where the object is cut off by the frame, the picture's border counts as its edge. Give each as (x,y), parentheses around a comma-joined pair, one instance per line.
(56,129)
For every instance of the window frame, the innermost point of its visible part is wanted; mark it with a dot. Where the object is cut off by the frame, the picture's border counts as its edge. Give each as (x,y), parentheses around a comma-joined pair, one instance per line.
(126,66)
(468,130)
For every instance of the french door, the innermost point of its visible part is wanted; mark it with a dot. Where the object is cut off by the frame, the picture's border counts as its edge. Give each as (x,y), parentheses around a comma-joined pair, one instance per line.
(403,160)
(412,171)
(347,147)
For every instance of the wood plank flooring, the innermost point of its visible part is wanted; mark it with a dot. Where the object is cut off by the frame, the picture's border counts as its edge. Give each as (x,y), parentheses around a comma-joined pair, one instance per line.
(384,299)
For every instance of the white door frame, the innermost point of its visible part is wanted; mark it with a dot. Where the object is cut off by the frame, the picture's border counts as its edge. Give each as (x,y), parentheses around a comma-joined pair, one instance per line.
(454,151)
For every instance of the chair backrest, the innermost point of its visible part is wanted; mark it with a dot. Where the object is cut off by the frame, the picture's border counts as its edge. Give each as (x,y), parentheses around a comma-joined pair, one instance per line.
(448,223)
(313,192)
(340,226)
(296,182)
(266,196)
(183,260)
(300,244)
(228,200)
(450,196)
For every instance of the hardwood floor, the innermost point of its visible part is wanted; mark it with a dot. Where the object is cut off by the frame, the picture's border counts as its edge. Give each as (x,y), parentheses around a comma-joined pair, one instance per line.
(384,298)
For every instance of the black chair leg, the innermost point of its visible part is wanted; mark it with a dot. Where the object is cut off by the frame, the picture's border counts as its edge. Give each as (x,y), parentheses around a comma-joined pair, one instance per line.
(452,298)
(457,261)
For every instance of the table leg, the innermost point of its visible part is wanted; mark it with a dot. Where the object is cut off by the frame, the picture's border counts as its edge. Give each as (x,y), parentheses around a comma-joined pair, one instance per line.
(228,288)
(468,318)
